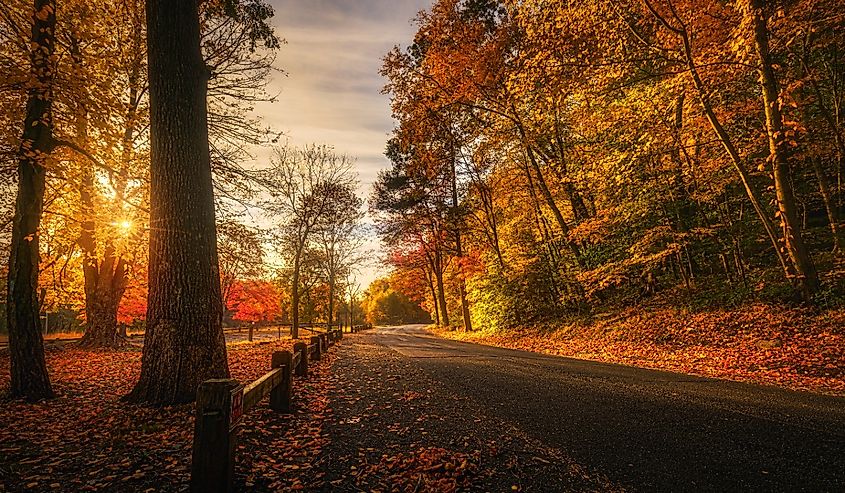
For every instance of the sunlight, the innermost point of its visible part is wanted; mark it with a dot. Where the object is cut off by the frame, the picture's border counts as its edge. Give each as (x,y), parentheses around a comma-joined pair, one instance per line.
(125,225)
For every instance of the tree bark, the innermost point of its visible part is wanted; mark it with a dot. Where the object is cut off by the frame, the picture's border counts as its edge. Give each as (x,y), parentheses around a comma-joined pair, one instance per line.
(804,268)
(294,297)
(29,376)
(829,205)
(184,343)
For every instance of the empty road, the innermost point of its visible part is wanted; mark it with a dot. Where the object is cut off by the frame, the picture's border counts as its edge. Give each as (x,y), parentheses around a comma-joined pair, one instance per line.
(644,430)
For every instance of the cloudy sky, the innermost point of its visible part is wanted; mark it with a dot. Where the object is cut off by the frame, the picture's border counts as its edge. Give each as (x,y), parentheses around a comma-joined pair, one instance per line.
(331,93)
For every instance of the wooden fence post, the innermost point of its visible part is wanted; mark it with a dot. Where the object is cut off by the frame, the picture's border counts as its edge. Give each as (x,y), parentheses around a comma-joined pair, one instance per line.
(280,396)
(302,367)
(316,340)
(324,345)
(215,436)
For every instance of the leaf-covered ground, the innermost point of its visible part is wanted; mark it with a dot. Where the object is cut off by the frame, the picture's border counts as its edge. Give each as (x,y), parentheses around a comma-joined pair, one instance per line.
(793,348)
(395,429)
(364,420)
(88,440)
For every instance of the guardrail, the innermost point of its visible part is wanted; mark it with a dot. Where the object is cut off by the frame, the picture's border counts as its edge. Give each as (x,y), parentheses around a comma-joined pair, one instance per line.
(222,403)
(358,328)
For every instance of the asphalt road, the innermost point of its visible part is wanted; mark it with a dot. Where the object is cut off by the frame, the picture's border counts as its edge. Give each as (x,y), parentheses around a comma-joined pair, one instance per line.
(645,430)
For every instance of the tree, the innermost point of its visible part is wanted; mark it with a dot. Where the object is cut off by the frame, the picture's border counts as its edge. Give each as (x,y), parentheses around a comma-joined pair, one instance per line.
(26,346)
(184,343)
(302,184)
(338,240)
(241,255)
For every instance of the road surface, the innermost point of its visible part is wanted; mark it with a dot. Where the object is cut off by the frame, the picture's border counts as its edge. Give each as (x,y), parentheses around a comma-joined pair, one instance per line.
(643,430)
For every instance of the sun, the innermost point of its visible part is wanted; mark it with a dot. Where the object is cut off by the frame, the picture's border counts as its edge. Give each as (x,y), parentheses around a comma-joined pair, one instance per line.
(124,225)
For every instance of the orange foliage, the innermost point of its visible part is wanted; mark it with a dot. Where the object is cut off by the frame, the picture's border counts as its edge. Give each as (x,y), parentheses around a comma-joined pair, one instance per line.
(255,301)
(135,448)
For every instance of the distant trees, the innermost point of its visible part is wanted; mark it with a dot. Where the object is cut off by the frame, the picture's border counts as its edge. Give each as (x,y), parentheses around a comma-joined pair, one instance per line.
(384,305)
(674,144)
(312,192)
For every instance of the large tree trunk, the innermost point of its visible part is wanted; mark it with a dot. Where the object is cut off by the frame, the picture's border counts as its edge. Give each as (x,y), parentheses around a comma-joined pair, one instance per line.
(104,288)
(804,269)
(26,345)
(184,343)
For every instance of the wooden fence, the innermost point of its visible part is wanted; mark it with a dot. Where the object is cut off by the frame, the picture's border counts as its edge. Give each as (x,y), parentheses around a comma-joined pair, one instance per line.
(222,403)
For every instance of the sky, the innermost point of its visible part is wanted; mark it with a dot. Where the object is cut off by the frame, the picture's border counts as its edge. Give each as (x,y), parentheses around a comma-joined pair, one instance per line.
(331,90)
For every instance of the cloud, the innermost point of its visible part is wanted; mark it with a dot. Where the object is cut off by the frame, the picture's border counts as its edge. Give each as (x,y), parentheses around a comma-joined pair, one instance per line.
(332,91)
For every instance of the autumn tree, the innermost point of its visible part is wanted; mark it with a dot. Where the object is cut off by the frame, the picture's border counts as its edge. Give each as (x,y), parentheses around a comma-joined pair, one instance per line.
(240,253)
(338,241)
(26,346)
(657,150)
(184,342)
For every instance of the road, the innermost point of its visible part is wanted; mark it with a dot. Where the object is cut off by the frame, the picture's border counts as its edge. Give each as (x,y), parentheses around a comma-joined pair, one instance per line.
(644,430)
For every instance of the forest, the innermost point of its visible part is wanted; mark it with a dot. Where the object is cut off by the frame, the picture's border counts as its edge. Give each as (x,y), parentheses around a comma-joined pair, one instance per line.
(570,161)
(652,189)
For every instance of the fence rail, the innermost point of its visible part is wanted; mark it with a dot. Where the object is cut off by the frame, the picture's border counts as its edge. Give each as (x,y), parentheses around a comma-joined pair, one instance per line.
(222,403)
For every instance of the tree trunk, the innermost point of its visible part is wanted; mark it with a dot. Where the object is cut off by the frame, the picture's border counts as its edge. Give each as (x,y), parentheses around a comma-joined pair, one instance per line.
(294,298)
(727,143)
(184,343)
(830,207)
(331,302)
(799,255)
(441,292)
(104,288)
(434,300)
(462,287)
(30,379)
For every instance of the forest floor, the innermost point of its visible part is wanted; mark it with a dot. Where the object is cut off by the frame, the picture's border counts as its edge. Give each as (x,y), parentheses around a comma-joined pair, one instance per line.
(794,348)
(87,439)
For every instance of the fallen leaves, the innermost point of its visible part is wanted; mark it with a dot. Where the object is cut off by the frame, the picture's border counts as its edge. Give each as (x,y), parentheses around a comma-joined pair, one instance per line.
(88,440)
(794,348)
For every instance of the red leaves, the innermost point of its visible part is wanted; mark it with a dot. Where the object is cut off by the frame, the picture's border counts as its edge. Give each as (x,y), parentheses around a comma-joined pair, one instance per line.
(255,301)
(426,469)
(88,440)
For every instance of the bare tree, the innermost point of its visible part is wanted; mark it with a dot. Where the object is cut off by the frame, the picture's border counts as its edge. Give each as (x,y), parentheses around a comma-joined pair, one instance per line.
(301,184)
(338,240)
